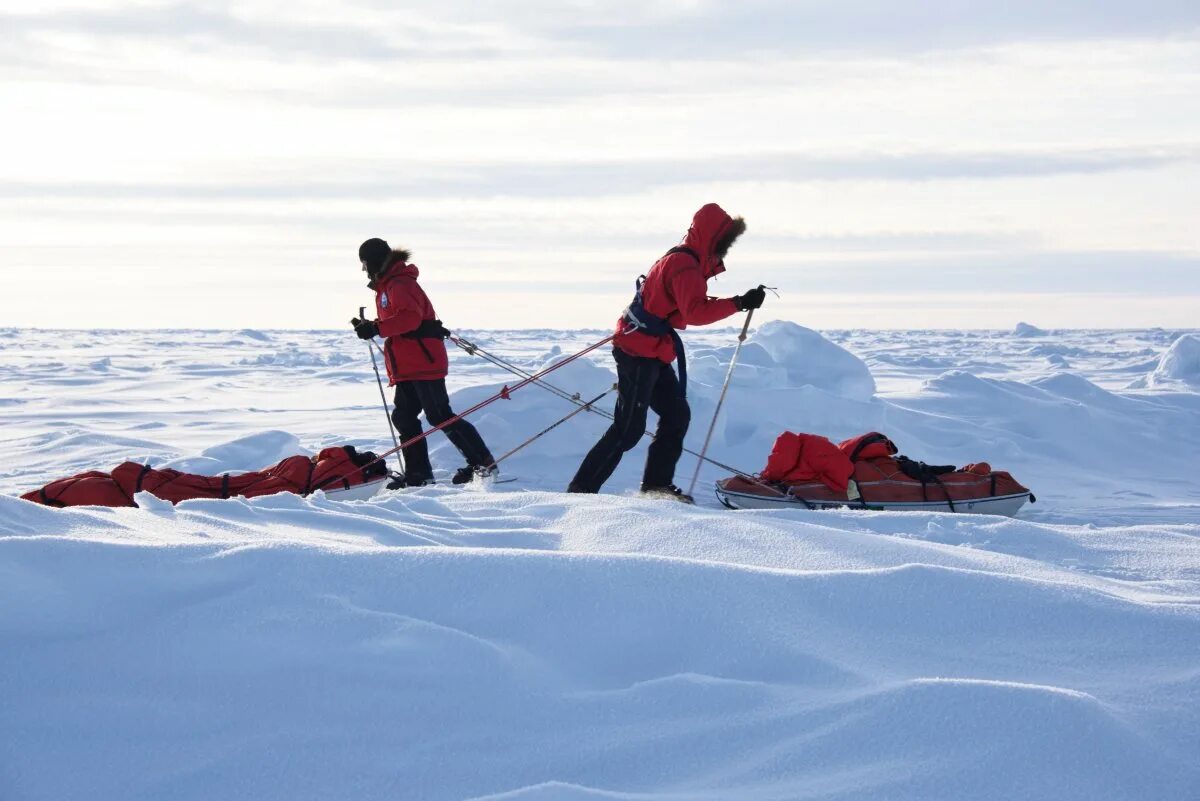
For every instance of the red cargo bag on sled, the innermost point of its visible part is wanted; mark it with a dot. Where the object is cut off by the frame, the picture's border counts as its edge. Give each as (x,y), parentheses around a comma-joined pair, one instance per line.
(866,472)
(336,468)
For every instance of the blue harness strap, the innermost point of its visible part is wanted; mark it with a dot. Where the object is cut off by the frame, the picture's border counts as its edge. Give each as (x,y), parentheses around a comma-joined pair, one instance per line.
(637,316)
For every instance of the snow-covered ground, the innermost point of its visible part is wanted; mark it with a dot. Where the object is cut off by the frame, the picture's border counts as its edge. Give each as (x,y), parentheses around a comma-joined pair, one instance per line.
(514,642)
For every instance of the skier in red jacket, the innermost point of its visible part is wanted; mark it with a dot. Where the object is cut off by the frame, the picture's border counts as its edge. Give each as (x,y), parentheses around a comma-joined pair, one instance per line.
(415,354)
(673,296)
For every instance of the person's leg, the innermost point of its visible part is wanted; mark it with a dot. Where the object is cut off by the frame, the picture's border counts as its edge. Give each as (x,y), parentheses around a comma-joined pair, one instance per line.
(417,469)
(461,433)
(674,416)
(635,382)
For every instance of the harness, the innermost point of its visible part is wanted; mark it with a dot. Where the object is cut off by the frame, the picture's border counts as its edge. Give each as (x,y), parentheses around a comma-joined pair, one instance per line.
(636,315)
(428,329)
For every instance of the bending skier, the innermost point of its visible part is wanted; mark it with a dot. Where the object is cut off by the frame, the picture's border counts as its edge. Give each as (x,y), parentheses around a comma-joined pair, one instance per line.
(673,296)
(416,363)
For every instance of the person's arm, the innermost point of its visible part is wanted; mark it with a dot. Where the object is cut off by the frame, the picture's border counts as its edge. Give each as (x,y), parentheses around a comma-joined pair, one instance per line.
(690,291)
(402,315)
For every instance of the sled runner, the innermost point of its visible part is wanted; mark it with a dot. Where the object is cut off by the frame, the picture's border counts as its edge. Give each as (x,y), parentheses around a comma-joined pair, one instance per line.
(811,472)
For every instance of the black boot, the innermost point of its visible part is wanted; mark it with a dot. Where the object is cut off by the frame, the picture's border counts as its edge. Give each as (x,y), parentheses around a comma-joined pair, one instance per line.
(402,482)
(669,492)
(466,474)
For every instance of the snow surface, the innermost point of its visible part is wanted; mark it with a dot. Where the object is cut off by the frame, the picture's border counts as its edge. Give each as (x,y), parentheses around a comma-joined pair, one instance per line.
(513,642)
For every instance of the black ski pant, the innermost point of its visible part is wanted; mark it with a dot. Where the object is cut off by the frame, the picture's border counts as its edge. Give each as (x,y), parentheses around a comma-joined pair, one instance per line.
(642,384)
(413,397)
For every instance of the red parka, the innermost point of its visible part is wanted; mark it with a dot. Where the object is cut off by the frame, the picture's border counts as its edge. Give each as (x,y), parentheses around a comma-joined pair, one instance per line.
(676,288)
(804,457)
(401,305)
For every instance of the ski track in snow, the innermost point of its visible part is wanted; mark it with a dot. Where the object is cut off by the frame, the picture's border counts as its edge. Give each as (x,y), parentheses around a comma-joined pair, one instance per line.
(514,642)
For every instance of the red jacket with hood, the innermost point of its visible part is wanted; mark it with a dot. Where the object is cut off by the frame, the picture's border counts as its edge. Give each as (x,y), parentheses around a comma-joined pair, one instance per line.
(401,305)
(676,288)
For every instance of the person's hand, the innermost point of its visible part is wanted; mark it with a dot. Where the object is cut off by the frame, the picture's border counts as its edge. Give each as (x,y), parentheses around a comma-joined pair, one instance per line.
(366,329)
(751,300)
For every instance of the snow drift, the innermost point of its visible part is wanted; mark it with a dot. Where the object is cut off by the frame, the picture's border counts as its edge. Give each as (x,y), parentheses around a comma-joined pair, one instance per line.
(1179,365)
(514,642)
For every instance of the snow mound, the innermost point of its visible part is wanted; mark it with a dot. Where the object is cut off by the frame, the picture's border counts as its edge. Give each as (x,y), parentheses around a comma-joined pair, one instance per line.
(1179,365)
(250,333)
(809,359)
(294,357)
(1027,330)
(251,452)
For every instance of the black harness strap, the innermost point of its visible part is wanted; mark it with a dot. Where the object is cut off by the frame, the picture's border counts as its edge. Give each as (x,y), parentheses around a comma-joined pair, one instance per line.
(683,249)
(635,313)
(308,481)
(141,477)
(945,491)
(869,439)
(224,486)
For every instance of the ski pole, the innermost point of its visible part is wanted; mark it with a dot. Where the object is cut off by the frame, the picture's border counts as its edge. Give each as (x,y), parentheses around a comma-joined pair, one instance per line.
(379,380)
(720,400)
(585,407)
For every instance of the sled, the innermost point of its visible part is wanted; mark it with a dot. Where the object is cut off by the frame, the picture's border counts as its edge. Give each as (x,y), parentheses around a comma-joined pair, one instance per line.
(358,492)
(736,492)
(866,472)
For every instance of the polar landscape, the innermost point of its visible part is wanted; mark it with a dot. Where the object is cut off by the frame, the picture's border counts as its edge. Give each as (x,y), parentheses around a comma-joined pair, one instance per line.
(509,641)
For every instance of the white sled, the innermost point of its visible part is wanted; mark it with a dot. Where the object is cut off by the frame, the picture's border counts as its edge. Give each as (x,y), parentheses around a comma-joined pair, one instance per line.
(1006,505)
(359,492)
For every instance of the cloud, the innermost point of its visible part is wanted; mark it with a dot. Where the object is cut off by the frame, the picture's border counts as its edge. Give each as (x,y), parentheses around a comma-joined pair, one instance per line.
(641,31)
(621,176)
(804,26)
(250,30)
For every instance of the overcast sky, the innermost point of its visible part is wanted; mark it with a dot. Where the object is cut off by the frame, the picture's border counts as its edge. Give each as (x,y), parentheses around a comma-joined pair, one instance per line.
(938,164)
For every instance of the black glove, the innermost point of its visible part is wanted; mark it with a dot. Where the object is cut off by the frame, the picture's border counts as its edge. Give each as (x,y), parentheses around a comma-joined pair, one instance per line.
(429,329)
(751,300)
(366,329)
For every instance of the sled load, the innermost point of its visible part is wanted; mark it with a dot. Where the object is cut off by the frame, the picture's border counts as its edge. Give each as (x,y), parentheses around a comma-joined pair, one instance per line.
(341,472)
(866,472)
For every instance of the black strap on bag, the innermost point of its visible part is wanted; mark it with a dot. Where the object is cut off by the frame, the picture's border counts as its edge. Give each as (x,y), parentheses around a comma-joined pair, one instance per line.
(141,477)
(926,474)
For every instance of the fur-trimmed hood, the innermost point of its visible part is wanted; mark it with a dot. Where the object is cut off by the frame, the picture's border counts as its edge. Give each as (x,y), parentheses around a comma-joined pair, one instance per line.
(396,257)
(710,226)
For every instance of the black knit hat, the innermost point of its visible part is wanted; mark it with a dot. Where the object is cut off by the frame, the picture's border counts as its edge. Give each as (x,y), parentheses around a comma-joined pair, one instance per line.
(374,252)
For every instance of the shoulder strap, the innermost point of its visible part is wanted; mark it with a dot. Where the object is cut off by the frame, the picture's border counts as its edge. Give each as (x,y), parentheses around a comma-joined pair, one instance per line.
(683,249)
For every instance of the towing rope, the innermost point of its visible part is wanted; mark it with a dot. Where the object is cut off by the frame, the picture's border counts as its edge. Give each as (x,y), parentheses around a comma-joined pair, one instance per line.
(474,350)
(502,394)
